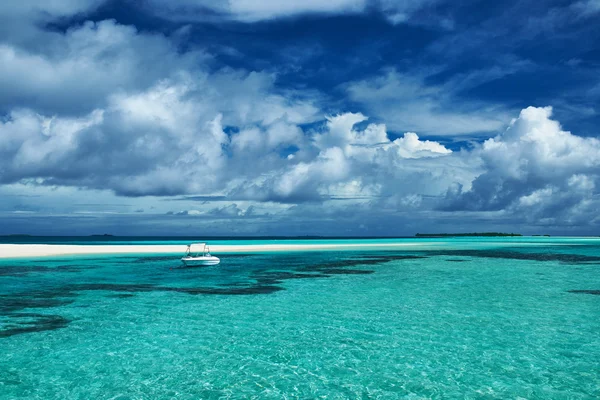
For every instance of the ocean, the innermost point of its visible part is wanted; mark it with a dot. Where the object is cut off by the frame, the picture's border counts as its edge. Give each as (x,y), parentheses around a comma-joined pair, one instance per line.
(476,318)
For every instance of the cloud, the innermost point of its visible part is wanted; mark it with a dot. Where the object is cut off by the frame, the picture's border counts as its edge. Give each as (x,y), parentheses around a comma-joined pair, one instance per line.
(80,113)
(165,140)
(47,9)
(410,146)
(249,11)
(86,65)
(535,168)
(229,211)
(343,161)
(30,12)
(587,7)
(160,142)
(253,11)
(100,112)
(534,173)
(398,12)
(406,103)
(23,22)
(169,140)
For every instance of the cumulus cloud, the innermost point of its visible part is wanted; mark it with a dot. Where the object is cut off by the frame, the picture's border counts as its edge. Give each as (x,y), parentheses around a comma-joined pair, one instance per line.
(410,146)
(533,172)
(168,139)
(127,115)
(229,211)
(534,167)
(87,64)
(343,161)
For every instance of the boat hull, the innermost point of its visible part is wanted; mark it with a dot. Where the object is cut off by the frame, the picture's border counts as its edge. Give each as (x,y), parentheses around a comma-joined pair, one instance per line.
(199,261)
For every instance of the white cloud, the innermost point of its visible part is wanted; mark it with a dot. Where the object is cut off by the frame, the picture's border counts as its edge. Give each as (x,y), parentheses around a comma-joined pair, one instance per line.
(343,160)
(533,172)
(398,12)
(405,102)
(536,197)
(109,109)
(340,132)
(47,9)
(82,114)
(410,146)
(168,139)
(252,11)
(22,22)
(248,10)
(536,168)
(536,145)
(85,65)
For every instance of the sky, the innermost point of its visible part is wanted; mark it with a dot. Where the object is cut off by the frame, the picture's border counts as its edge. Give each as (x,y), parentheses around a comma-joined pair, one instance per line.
(304,117)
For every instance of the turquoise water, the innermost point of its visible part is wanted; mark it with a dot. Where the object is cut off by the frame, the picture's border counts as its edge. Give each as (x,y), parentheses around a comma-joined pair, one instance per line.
(489,318)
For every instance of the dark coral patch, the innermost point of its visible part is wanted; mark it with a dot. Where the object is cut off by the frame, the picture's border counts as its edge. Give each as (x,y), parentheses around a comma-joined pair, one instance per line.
(389,257)
(136,288)
(254,289)
(29,322)
(142,260)
(338,267)
(23,270)
(112,287)
(515,255)
(261,281)
(339,271)
(19,270)
(37,299)
(372,260)
(276,276)
(594,292)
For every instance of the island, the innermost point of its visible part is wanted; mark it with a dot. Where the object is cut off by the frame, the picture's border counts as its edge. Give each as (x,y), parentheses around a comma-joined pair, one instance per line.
(493,234)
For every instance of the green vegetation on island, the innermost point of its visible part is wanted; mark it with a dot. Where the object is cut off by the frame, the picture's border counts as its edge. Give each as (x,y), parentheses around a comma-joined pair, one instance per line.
(466,234)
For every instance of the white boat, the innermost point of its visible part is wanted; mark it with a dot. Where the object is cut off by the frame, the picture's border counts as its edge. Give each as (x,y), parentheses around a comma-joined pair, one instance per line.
(197,258)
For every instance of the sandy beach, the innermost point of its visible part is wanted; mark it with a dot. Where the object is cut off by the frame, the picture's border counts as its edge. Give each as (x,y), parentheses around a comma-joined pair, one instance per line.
(46,250)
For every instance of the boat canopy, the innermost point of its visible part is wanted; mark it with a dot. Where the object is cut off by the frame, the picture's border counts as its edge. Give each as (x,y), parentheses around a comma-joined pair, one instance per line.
(197,248)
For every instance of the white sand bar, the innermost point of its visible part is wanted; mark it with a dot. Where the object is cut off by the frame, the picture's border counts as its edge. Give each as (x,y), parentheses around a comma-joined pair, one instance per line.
(44,250)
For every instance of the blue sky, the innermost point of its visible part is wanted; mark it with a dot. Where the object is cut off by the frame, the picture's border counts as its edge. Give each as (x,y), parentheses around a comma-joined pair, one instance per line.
(346,117)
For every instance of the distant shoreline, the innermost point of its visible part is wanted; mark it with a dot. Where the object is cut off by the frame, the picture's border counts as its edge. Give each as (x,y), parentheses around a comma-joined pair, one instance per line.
(471,234)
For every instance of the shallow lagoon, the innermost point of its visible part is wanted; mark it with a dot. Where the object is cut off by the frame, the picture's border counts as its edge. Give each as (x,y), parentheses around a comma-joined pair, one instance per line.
(458,318)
